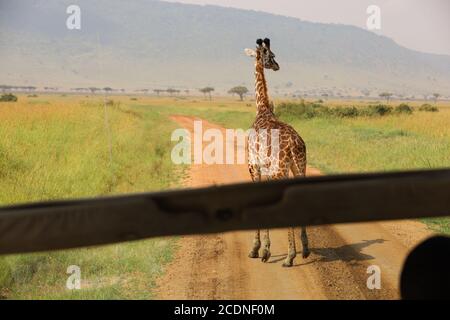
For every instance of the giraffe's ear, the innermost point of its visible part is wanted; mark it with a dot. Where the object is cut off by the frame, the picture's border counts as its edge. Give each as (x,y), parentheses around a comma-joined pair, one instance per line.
(250,52)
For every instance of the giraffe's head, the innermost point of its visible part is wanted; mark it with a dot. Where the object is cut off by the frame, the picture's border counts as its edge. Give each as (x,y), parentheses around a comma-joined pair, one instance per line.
(263,54)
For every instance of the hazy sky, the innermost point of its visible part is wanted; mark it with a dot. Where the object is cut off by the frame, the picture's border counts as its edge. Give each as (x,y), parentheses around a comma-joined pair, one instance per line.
(423,25)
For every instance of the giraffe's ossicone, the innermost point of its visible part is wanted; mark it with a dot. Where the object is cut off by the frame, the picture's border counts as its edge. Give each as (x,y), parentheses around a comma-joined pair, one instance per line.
(274,149)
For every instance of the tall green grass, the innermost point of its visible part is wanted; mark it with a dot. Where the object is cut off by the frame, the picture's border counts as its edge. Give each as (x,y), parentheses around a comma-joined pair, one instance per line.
(125,271)
(56,152)
(56,149)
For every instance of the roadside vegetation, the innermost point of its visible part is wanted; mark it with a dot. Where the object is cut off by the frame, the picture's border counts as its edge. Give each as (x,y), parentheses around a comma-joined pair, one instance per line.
(308,110)
(57,148)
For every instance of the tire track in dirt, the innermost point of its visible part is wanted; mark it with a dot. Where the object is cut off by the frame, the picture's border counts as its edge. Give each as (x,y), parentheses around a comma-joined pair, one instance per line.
(217,266)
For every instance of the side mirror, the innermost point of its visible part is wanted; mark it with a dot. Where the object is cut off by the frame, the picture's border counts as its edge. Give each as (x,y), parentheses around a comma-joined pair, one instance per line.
(426,272)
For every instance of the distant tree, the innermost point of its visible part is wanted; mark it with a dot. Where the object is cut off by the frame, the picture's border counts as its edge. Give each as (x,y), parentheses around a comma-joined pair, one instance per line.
(436,97)
(207,90)
(241,91)
(93,90)
(186,91)
(158,91)
(171,91)
(386,95)
(28,88)
(107,89)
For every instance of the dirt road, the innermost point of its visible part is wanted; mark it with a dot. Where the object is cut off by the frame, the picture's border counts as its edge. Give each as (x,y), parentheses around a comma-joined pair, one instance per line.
(217,266)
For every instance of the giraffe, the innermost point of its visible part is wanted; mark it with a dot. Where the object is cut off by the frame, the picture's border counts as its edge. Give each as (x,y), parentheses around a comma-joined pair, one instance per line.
(262,164)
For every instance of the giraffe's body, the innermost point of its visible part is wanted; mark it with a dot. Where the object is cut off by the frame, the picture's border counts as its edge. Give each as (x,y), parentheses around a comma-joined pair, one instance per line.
(265,164)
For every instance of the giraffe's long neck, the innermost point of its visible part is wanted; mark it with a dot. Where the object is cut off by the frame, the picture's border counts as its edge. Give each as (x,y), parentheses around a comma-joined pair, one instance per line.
(262,97)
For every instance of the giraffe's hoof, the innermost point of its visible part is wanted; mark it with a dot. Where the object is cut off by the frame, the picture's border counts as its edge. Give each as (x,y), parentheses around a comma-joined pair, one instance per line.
(306,254)
(287,264)
(265,255)
(253,254)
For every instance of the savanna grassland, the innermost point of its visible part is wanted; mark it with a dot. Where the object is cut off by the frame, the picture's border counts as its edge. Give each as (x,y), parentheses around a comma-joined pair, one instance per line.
(56,147)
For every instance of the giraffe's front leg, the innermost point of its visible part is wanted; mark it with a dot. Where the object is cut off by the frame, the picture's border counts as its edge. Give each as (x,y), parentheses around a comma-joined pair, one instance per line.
(254,253)
(304,238)
(291,250)
(266,247)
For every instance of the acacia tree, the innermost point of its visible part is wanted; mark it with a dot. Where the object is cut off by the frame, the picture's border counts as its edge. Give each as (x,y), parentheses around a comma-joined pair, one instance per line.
(27,88)
(93,89)
(107,90)
(207,90)
(386,95)
(171,91)
(436,97)
(241,91)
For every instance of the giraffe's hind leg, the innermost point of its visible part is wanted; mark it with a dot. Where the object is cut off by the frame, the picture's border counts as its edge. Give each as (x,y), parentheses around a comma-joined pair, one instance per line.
(254,252)
(298,168)
(304,238)
(266,246)
(292,252)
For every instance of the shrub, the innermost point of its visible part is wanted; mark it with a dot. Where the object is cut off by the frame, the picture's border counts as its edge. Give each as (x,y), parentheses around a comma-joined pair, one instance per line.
(428,108)
(378,109)
(8,97)
(32,96)
(295,110)
(322,110)
(403,108)
(308,110)
(346,112)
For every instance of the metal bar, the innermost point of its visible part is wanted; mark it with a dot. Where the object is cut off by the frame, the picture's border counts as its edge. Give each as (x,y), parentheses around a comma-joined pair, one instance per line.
(274,204)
